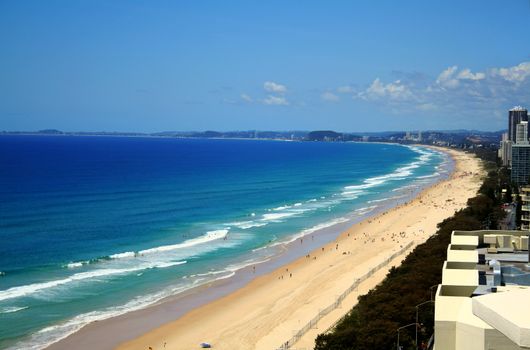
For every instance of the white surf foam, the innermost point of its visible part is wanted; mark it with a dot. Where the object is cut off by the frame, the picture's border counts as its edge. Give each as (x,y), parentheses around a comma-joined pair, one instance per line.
(208,237)
(34,288)
(277,216)
(123,255)
(77,264)
(308,231)
(428,176)
(49,335)
(385,199)
(52,334)
(364,210)
(399,173)
(163,265)
(12,309)
(283,207)
(248,224)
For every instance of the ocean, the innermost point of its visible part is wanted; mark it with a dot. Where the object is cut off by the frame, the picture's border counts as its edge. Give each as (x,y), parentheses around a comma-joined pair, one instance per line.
(93,227)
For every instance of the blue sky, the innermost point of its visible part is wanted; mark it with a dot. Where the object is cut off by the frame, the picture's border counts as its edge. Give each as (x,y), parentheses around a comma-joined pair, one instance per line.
(269,65)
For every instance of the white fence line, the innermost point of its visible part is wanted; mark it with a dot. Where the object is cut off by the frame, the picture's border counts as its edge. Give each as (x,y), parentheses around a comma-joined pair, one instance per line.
(313,322)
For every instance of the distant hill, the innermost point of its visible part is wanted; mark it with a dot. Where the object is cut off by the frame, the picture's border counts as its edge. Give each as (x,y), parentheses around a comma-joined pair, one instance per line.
(454,138)
(329,135)
(50,131)
(324,135)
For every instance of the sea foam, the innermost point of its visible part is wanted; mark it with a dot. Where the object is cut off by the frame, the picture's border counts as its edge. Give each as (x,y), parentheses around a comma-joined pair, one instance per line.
(34,288)
(208,237)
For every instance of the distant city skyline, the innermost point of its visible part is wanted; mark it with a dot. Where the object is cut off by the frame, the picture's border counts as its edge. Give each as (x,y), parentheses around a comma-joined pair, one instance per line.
(375,66)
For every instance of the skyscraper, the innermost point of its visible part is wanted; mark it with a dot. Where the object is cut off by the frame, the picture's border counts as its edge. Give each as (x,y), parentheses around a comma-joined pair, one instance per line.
(520,163)
(521,133)
(521,155)
(516,115)
(505,150)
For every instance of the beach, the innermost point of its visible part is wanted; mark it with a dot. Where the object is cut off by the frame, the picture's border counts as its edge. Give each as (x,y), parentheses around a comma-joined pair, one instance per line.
(266,312)
(265,305)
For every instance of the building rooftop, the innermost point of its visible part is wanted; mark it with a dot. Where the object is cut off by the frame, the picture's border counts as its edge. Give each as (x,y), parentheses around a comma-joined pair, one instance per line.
(506,311)
(484,299)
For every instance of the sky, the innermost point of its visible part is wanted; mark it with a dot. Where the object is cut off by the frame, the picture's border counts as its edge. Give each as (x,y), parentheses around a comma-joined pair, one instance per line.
(147,66)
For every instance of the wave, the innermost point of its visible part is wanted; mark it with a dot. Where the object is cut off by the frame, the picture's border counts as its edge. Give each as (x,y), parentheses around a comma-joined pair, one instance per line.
(364,210)
(399,173)
(428,176)
(385,199)
(278,216)
(163,265)
(12,309)
(309,231)
(248,224)
(34,288)
(283,207)
(208,237)
(402,188)
(123,255)
(353,193)
(143,264)
(77,264)
(52,334)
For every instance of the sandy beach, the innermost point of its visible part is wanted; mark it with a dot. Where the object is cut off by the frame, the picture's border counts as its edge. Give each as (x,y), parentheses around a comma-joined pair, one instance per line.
(271,308)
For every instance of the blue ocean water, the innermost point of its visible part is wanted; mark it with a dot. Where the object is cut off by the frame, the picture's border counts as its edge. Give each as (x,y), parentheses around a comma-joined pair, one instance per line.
(92,227)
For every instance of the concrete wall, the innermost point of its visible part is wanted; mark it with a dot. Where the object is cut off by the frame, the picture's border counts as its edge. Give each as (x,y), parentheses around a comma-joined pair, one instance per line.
(495,340)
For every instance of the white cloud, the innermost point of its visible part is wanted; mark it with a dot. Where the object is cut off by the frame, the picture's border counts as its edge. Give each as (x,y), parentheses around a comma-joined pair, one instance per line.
(466,74)
(329,97)
(345,89)
(246,98)
(454,90)
(515,74)
(393,91)
(447,78)
(426,107)
(274,87)
(276,101)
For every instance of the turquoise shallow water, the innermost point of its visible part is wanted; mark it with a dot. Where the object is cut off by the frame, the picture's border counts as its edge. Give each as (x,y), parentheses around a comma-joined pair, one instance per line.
(92,227)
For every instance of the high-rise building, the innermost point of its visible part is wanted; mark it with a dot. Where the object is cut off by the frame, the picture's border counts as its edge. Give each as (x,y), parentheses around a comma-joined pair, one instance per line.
(525,208)
(521,133)
(505,150)
(520,163)
(516,115)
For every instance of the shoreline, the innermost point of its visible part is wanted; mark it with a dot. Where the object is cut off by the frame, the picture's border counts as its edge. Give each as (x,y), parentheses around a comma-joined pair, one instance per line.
(266,312)
(133,324)
(326,228)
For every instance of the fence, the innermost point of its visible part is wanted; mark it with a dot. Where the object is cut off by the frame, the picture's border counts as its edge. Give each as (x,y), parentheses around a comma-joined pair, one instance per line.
(313,322)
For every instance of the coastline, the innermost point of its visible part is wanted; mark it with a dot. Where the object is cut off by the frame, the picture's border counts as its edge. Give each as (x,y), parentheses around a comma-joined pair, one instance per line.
(163,317)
